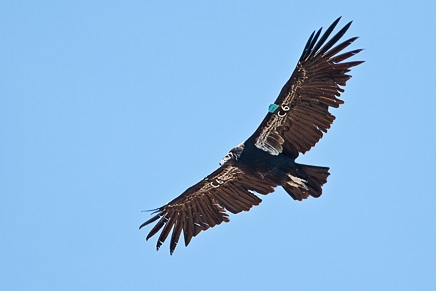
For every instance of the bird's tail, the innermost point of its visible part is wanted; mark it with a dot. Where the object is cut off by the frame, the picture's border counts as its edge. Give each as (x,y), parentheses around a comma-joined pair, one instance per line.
(307,182)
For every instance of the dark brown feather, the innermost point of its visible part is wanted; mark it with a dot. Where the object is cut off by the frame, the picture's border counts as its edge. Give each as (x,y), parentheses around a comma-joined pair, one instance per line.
(156,228)
(204,205)
(167,228)
(178,226)
(314,87)
(188,226)
(227,201)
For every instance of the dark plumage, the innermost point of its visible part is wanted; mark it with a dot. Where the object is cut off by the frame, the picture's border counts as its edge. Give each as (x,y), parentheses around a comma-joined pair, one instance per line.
(294,124)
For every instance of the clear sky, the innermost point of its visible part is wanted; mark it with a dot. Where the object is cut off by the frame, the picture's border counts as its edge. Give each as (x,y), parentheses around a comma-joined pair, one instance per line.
(108,108)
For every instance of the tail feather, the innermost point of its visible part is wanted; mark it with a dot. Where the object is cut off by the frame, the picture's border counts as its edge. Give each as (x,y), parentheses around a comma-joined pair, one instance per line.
(308,183)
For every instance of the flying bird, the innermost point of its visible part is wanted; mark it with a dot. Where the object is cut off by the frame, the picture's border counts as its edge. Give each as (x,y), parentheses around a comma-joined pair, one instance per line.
(295,122)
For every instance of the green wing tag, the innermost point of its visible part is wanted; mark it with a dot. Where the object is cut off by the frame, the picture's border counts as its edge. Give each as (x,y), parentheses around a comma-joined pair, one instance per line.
(272,108)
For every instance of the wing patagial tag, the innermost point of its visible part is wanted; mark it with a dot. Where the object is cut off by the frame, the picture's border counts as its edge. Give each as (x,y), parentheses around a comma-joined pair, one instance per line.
(272,108)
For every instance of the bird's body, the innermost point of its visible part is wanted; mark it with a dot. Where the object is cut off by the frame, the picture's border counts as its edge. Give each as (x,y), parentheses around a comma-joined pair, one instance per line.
(265,166)
(295,122)
(279,169)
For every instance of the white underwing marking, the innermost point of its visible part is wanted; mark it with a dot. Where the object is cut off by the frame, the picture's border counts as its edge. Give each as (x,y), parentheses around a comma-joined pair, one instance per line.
(215,186)
(270,128)
(278,120)
(297,182)
(225,176)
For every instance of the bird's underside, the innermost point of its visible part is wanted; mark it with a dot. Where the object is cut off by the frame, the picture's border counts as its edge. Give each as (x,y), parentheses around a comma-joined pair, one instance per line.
(295,122)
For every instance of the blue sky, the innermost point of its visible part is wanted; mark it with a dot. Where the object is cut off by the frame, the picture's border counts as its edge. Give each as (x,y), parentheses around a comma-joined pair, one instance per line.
(110,108)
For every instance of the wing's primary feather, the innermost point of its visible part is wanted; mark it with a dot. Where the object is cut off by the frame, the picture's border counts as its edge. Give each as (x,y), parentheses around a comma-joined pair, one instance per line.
(204,205)
(302,114)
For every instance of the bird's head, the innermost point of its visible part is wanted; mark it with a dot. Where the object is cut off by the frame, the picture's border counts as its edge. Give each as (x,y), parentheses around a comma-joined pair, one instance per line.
(233,155)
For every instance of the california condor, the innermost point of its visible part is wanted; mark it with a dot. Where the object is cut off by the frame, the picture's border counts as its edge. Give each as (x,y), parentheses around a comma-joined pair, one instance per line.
(295,122)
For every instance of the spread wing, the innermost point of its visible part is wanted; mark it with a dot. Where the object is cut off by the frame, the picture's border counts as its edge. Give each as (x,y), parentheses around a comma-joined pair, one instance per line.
(300,115)
(204,205)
